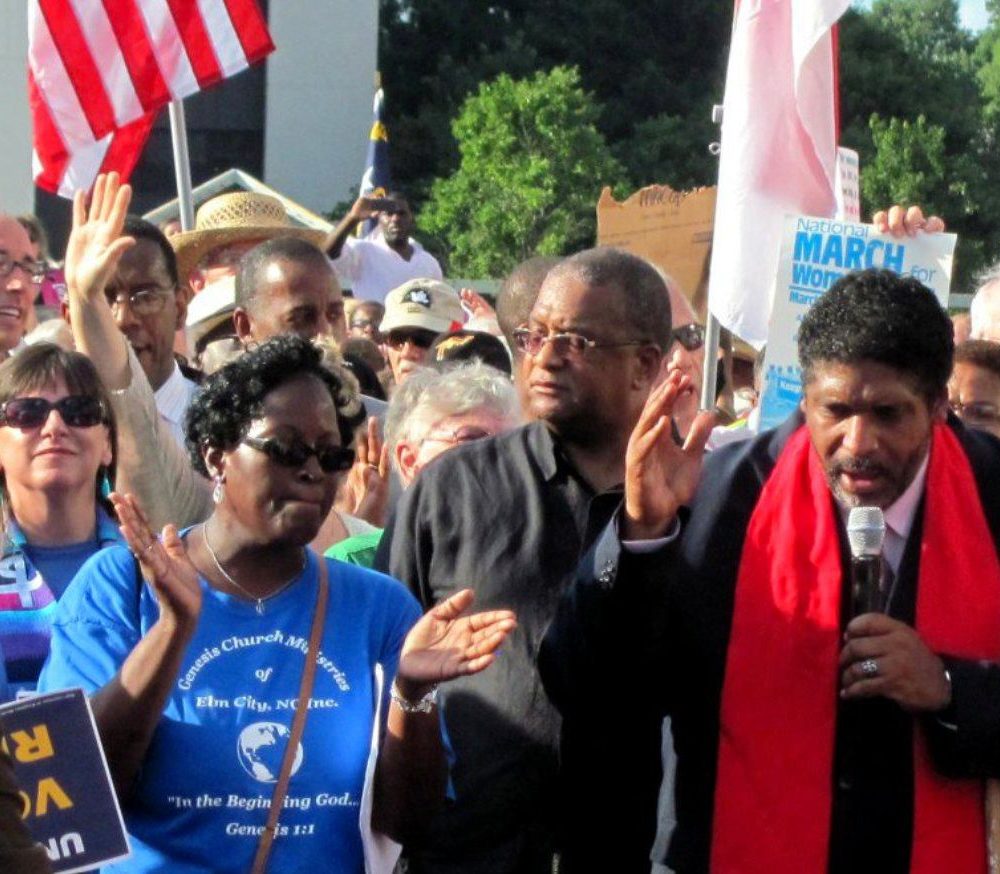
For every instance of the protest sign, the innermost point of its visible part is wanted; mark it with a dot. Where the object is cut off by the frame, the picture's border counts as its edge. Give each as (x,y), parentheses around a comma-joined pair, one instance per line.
(847,185)
(672,229)
(815,253)
(69,802)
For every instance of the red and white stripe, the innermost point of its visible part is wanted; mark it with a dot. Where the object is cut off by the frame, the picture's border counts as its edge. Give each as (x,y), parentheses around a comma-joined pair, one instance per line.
(100,70)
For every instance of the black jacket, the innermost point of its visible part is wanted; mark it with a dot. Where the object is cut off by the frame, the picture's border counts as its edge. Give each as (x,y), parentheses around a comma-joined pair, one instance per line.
(647,635)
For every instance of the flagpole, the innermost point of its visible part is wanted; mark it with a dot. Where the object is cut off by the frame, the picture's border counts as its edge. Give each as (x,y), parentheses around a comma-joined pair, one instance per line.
(711,364)
(182,164)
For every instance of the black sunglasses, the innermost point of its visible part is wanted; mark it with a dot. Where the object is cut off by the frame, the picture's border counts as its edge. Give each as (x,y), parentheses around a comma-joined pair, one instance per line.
(296,452)
(418,337)
(77,411)
(691,336)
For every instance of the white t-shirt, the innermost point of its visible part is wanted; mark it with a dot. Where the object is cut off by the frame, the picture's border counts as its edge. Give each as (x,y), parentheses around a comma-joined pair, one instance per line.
(371,269)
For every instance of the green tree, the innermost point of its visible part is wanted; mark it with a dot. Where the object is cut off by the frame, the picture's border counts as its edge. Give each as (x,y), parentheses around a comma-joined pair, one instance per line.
(532,164)
(909,164)
(658,63)
(912,105)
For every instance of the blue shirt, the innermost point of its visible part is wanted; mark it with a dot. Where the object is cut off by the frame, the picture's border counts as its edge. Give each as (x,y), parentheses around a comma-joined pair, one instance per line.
(32,579)
(202,797)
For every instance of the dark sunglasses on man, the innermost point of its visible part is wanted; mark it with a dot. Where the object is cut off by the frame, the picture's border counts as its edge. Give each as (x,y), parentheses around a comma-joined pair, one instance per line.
(419,337)
(77,411)
(691,337)
(296,452)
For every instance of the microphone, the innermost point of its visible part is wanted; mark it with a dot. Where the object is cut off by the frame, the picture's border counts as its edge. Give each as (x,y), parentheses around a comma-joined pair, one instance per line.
(866,534)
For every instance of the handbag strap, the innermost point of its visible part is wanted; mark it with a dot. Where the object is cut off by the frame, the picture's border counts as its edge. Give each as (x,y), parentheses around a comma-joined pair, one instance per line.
(298,725)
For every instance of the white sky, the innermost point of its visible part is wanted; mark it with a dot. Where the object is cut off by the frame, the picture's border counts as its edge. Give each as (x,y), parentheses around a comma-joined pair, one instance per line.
(971,12)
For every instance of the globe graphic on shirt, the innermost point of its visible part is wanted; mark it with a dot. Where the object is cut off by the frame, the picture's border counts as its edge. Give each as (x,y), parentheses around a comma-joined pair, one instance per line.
(260,747)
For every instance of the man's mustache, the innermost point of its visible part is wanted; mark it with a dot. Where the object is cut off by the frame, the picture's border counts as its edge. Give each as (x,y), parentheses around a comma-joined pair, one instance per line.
(858,467)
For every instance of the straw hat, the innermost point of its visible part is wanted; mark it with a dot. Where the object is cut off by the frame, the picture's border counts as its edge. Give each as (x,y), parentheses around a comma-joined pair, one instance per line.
(230,218)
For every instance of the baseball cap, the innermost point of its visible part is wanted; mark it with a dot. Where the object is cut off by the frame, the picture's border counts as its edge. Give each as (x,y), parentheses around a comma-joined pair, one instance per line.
(423,303)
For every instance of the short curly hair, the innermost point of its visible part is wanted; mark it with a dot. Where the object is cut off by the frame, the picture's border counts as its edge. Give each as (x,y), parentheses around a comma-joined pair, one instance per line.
(879,316)
(230,399)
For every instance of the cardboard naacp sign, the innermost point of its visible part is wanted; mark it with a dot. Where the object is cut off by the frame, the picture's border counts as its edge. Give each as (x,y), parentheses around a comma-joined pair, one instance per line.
(70,805)
(673,229)
(815,253)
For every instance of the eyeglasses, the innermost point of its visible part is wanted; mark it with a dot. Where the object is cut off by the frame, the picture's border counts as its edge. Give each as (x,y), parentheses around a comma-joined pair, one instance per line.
(420,338)
(296,452)
(563,343)
(35,269)
(463,434)
(364,325)
(976,411)
(691,337)
(77,411)
(146,302)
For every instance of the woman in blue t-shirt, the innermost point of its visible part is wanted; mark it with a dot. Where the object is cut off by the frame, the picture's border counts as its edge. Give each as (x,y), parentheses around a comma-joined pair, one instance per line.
(57,452)
(196,677)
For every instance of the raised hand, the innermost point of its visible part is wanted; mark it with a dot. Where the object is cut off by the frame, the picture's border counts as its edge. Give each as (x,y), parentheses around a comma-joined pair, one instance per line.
(661,476)
(480,311)
(366,490)
(444,644)
(96,243)
(365,207)
(164,563)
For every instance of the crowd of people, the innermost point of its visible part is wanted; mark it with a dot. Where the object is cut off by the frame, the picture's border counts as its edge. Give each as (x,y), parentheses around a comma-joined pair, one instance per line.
(350,562)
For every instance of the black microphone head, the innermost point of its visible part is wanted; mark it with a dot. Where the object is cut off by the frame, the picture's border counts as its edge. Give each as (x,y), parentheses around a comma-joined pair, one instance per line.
(865,531)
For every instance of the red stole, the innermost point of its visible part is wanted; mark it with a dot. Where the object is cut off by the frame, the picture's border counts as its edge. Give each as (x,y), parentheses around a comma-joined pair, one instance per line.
(773,791)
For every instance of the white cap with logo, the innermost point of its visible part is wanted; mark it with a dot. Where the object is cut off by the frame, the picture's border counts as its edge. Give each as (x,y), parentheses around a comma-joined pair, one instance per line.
(423,303)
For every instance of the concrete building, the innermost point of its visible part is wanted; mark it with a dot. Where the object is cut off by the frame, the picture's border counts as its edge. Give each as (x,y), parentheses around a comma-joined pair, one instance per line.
(299,121)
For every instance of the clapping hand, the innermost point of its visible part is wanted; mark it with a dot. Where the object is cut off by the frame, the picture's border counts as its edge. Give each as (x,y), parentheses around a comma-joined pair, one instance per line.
(164,563)
(660,476)
(96,243)
(445,644)
(365,492)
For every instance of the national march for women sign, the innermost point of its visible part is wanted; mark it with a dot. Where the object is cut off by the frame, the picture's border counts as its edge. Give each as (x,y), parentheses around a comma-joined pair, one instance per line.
(815,253)
(68,801)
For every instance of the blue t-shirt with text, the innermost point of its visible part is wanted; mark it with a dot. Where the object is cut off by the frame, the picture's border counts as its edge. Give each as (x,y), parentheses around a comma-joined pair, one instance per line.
(202,797)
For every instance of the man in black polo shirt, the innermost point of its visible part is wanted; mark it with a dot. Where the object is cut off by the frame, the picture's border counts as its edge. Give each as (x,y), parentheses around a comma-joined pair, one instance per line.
(510,516)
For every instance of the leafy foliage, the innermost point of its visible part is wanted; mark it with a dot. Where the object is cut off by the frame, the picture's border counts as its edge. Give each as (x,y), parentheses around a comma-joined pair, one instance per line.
(532,164)
(920,102)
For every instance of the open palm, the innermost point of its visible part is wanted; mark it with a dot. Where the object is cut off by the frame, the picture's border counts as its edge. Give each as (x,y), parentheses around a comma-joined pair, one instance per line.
(96,243)
(444,644)
(661,476)
(164,562)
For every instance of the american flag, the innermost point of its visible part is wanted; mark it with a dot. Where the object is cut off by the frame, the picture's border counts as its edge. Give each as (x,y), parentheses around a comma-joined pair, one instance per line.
(100,70)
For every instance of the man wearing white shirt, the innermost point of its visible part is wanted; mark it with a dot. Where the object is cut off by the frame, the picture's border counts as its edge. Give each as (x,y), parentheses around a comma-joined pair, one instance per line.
(807,739)
(372,267)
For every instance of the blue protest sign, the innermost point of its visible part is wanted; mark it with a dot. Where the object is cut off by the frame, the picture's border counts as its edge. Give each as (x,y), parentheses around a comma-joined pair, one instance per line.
(815,253)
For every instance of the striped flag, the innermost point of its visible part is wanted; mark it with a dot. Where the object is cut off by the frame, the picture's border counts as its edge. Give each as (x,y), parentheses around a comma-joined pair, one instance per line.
(100,70)
(779,149)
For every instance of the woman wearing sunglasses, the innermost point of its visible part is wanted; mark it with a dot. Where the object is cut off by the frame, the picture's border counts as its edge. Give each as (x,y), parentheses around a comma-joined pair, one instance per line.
(57,451)
(199,680)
